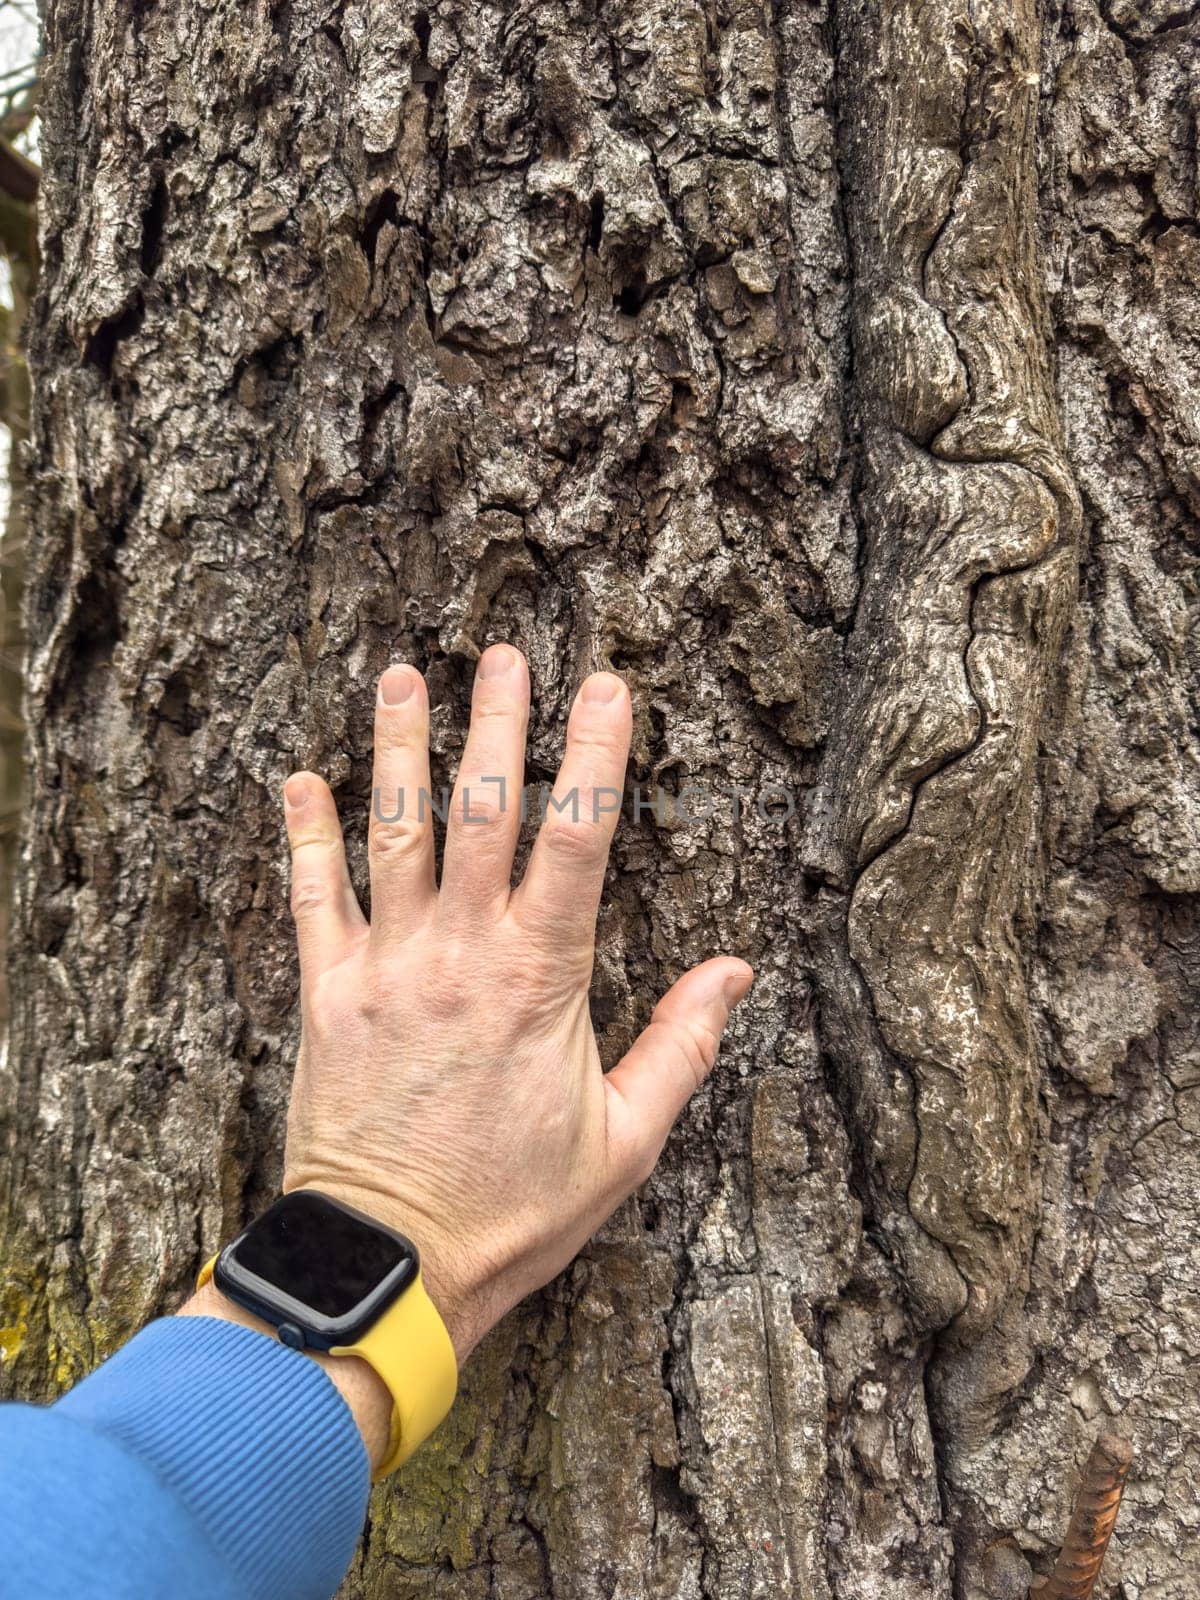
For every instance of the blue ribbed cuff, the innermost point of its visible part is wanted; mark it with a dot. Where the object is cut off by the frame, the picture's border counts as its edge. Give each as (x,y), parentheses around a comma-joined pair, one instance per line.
(251,1437)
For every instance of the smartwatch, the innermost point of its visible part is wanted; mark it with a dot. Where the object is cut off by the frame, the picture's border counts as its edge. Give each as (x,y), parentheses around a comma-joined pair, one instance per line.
(329,1278)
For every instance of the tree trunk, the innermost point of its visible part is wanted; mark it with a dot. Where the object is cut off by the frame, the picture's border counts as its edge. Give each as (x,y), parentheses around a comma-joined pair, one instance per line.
(823,369)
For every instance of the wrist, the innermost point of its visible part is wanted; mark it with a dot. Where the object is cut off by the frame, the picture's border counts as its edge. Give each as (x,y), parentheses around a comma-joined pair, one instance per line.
(460,1303)
(360,1387)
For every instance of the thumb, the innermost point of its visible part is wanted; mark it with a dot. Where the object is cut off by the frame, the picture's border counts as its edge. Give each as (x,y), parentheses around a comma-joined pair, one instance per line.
(668,1062)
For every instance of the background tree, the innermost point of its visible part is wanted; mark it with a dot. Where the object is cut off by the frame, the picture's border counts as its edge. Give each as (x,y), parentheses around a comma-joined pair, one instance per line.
(18,268)
(825,369)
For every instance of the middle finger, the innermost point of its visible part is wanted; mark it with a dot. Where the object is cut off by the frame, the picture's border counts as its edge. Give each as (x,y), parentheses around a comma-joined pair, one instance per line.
(485,808)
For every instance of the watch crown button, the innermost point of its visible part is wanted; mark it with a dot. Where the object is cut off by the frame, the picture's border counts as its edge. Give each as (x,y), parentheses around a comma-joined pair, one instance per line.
(290,1335)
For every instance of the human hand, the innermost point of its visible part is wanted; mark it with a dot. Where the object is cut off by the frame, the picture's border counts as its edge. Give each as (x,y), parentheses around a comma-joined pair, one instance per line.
(448,1082)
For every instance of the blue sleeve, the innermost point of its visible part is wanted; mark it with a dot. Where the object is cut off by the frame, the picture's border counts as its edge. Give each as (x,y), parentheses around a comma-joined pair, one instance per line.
(204,1461)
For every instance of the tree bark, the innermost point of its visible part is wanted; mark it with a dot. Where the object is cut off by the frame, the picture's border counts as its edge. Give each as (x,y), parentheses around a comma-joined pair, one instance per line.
(824,368)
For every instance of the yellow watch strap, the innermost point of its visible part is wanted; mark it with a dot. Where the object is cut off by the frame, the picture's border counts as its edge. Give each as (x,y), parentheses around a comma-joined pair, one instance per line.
(412,1352)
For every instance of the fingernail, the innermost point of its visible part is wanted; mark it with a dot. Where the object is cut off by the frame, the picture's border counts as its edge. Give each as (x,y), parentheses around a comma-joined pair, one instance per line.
(736,987)
(395,686)
(295,792)
(498,660)
(601,689)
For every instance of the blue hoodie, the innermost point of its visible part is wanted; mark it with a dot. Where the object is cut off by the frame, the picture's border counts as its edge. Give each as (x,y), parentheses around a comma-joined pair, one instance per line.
(204,1461)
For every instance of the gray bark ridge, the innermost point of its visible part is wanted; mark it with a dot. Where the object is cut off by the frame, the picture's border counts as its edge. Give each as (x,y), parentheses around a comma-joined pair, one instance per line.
(926,808)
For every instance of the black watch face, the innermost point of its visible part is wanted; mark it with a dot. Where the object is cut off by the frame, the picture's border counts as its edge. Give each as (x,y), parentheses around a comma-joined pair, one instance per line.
(319,1266)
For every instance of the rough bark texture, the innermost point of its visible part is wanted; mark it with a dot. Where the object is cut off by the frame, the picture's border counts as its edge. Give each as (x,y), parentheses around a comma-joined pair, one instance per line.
(825,369)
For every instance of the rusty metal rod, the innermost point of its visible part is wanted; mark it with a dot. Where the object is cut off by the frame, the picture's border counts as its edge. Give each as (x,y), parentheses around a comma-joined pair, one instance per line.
(1092,1521)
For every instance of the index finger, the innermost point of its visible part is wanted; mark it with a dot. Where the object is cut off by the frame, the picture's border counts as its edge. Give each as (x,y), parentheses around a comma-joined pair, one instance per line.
(560,894)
